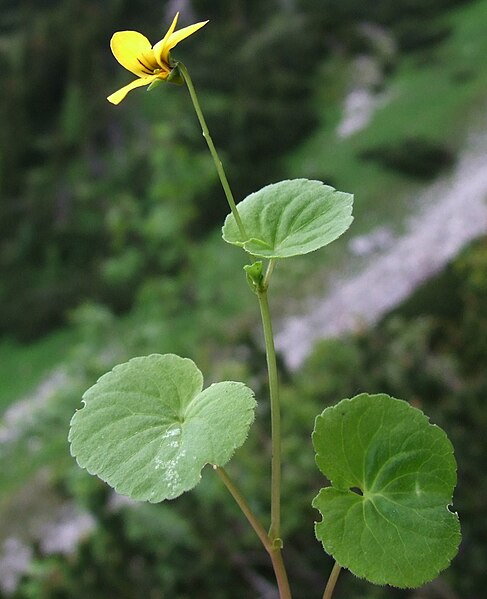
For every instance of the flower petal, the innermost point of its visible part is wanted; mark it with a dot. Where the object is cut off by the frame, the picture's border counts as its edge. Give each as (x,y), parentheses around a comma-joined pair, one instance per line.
(129,47)
(172,38)
(120,94)
(162,58)
(182,34)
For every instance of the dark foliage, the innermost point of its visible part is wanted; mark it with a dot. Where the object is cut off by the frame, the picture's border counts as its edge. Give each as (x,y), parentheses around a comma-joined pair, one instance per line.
(413,156)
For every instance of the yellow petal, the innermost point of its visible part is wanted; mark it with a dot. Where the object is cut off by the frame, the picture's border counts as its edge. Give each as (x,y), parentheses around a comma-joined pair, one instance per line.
(131,48)
(119,95)
(172,38)
(159,47)
(182,34)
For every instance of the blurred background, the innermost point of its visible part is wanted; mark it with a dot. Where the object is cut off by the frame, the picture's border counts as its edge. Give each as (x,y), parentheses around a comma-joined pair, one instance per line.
(110,247)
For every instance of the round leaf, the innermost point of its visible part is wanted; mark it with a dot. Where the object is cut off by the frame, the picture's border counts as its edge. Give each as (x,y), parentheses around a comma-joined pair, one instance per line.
(148,428)
(386,515)
(290,218)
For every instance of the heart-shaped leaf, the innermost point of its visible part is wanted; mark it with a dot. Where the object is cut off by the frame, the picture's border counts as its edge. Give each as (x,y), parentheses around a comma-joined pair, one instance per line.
(386,515)
(290,218)
(148,428)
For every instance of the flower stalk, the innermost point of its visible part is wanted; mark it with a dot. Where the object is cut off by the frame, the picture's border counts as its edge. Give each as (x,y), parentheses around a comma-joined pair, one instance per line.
(214,154)
(271,541)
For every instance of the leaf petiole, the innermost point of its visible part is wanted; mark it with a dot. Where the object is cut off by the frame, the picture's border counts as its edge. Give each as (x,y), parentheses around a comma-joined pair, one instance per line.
(271,548)
(332,580)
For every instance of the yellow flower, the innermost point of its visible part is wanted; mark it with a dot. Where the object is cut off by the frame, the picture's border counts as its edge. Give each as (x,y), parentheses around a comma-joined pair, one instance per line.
(150,63)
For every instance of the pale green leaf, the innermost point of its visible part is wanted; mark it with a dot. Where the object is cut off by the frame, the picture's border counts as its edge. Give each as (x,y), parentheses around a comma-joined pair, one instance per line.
(386,515)
(290,218)
(148,428)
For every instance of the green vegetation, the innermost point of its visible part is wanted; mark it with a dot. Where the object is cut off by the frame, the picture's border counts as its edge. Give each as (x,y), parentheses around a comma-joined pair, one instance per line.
(94,228)
(22,366)
(429,95)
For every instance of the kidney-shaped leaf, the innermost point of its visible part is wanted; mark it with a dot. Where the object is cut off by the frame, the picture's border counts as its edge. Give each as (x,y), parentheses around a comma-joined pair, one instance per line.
(148,428)
(290,218)
(386,515)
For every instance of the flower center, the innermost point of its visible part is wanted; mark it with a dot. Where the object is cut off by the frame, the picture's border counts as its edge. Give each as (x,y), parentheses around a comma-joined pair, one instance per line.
(148,64)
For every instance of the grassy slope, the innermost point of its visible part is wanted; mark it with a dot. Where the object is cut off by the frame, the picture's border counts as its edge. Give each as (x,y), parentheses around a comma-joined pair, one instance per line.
(22,367)
(435,95)
(432,95)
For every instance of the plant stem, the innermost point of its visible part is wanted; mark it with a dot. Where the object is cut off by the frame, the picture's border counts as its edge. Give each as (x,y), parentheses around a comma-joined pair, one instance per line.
(272,541)
(275,528)
(273,551)
(330,585)
(213,152)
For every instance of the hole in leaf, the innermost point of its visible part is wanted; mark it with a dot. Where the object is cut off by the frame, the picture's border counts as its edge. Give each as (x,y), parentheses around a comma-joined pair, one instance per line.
(356,490)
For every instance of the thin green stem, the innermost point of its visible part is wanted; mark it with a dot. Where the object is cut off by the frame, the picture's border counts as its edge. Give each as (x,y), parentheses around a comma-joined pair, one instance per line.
(213,152)
(275,528)
(272,541)
(330,585)
(274,552)
(244,506)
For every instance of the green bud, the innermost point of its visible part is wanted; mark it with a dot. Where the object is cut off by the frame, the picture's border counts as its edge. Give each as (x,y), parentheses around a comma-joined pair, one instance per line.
(255,275)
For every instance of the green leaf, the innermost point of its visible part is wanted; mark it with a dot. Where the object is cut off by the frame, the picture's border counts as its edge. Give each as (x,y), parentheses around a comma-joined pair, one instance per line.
(290,218)
(386,515)
(148,429)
